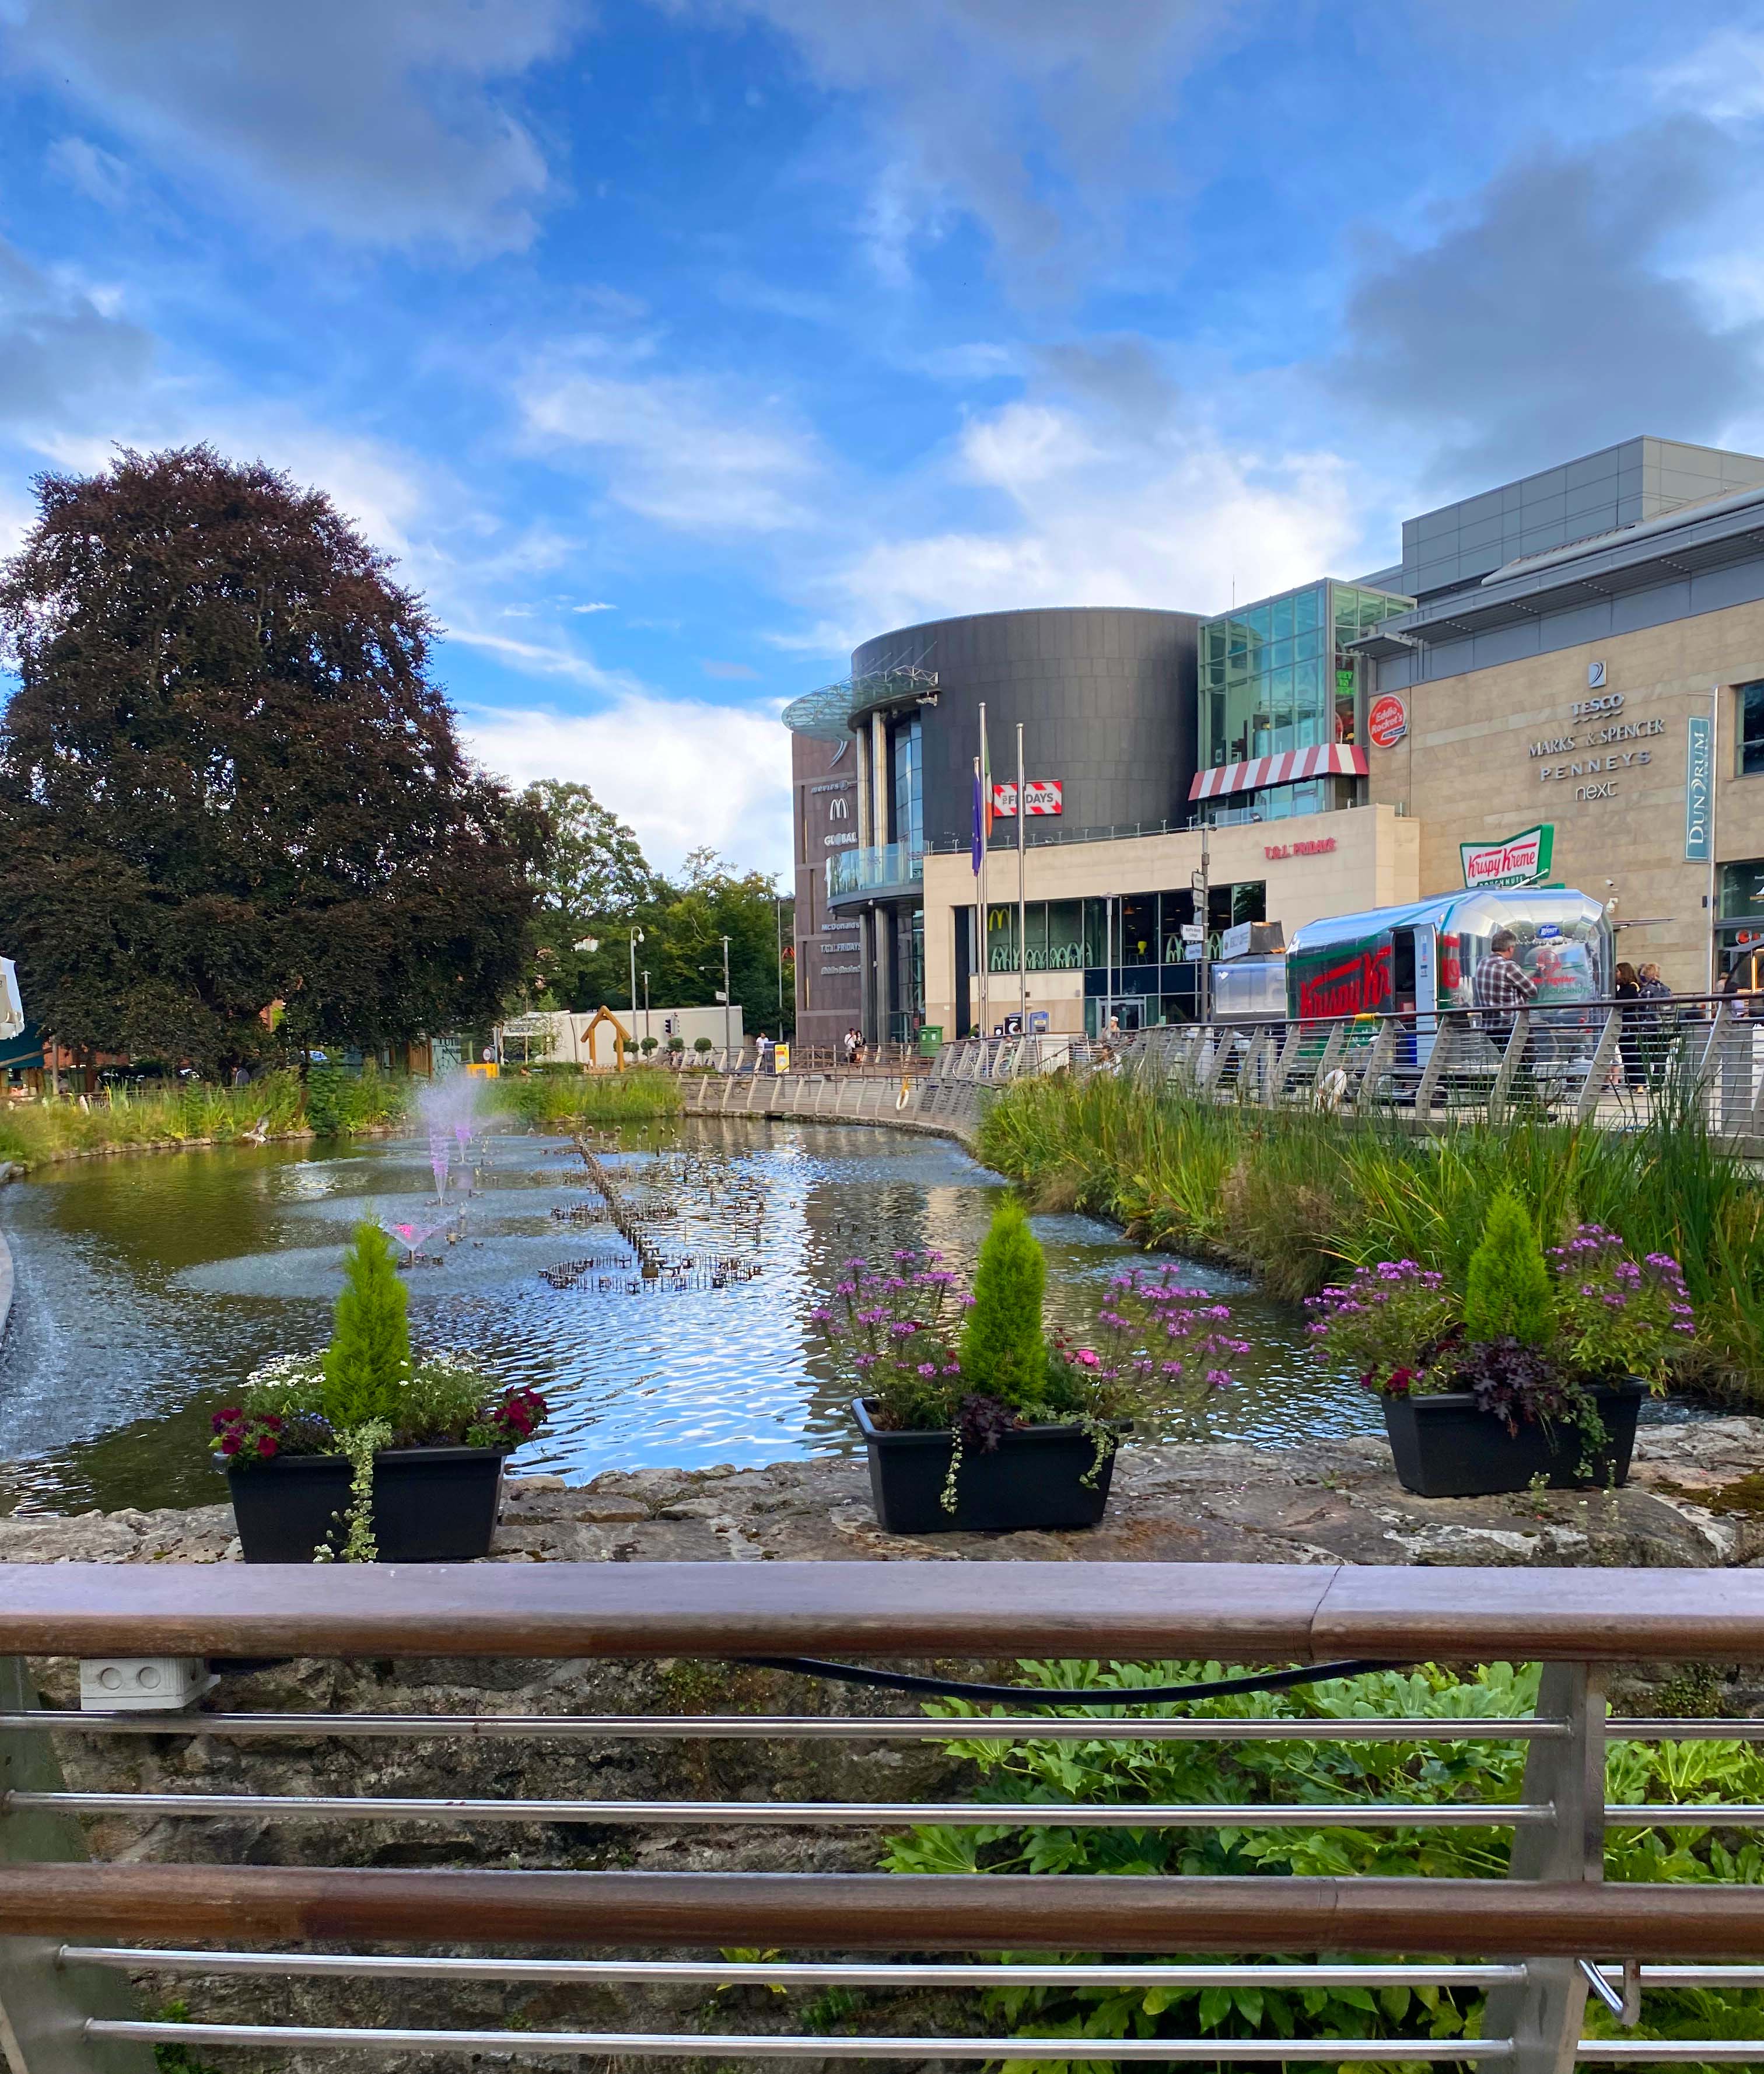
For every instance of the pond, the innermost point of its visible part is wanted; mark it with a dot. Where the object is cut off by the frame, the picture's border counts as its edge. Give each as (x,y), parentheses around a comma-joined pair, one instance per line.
(149,1285)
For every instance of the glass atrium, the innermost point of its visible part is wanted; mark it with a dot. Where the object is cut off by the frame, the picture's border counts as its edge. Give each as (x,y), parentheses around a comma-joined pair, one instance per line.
(1280,675)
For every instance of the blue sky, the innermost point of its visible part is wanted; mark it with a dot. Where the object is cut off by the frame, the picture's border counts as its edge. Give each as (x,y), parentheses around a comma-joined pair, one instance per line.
(673,346)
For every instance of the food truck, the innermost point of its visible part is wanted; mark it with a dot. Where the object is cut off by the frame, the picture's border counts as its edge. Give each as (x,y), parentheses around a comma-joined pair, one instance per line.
(1415,960)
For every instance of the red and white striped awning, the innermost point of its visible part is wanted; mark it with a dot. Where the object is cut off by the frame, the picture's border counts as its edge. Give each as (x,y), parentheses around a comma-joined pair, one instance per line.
(1338,759)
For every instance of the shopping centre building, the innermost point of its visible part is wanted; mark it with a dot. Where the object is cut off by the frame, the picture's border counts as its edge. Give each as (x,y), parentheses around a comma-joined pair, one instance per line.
(1562,681)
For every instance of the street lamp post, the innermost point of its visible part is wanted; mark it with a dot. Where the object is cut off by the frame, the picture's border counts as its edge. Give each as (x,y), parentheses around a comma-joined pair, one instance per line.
(647,1033)
(637,937)
(728,1044)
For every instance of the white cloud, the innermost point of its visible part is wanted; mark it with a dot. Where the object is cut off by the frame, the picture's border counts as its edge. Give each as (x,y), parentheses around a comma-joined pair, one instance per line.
(1034,114)
(64,357)
(691,451)
(1101,510)
(1722,79)
(379,121)
(683,772)
(97,175)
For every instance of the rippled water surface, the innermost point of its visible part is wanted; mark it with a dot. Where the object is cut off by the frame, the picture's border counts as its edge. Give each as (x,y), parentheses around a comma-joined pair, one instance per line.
(148,1287)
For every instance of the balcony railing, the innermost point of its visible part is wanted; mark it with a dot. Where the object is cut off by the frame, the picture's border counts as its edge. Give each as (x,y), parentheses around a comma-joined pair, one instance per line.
(1539,1941)
(887,870)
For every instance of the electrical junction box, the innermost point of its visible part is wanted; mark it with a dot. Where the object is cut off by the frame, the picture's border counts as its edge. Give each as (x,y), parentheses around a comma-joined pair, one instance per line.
(139,1684)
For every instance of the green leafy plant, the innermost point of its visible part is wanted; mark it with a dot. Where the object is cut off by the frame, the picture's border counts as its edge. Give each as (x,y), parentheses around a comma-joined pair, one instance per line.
(1003,1349)
(1017,1773)
(1507,1290)
(370,1353)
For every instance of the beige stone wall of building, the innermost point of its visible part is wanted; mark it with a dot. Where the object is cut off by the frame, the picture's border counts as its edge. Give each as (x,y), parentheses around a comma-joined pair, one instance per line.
(1322,863)
(1472,769)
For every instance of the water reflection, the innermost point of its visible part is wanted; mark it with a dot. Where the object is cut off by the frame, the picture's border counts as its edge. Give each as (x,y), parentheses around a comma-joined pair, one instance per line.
(148,1287)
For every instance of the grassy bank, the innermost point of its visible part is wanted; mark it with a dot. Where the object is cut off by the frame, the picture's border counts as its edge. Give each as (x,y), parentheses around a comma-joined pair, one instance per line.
(333,1104)
(557,1098)
(1297,1198)
(186,1112)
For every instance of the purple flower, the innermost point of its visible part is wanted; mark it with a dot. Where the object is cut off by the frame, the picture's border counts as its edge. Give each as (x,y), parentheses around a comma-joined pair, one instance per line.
(927,1368)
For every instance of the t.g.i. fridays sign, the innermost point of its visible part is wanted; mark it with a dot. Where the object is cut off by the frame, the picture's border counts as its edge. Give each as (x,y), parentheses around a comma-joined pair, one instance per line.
(1521,860)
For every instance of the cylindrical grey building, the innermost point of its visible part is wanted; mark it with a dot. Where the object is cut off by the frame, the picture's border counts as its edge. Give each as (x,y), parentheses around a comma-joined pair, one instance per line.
(1105,696)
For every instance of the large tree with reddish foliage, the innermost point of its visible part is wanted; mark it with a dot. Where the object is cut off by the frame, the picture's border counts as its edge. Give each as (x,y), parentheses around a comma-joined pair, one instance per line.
(226,778)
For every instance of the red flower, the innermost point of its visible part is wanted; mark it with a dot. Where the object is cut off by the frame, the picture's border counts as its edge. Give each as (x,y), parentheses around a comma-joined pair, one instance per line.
(230,1444)
(273,1420)
(1401,1378)
(267,1447)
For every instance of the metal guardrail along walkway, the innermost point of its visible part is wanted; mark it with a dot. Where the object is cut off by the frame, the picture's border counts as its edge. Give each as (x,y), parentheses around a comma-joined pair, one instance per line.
(1539,1942)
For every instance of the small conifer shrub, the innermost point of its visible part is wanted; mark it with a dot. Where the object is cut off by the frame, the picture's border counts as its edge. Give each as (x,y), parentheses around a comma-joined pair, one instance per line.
(370,1353)
(1003,1348)
(1507,1293)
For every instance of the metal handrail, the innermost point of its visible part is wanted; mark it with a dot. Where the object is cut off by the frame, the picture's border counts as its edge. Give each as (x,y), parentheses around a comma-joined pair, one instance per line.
(71,1922)
(1256,1613)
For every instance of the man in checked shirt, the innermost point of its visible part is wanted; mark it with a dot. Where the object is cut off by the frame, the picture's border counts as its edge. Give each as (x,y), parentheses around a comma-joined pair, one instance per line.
(1499,988)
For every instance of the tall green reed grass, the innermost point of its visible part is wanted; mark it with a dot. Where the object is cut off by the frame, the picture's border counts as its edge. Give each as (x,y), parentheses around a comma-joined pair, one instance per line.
(1297,1198)
(33,1134)
(635,1096)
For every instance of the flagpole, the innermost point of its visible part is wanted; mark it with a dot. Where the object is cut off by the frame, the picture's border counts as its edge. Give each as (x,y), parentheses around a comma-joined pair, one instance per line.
(973,1004)
(985,844)
(1023,906)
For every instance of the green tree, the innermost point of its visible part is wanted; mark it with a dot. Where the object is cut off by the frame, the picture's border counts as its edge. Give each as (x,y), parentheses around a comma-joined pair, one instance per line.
(688,926)
(1507,1285)
(590,881)
(227,778)
(1003,1352)
(370,1336)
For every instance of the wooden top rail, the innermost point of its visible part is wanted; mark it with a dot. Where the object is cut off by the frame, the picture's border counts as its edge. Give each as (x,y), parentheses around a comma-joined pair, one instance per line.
(1245,1612)
(884,1911)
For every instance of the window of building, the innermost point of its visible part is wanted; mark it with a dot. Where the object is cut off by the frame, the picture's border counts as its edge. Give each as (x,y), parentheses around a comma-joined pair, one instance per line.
(1750,701)
(908,749)
(1139,936)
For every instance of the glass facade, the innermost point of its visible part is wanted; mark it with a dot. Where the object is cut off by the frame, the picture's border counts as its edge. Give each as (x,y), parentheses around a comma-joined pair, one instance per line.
(1279,674)
(1135,963)
(906,753)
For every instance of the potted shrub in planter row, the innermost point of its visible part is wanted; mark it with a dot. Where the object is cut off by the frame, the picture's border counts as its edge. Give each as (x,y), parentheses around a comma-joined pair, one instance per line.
(362,1454)
(1536,1372)
(975,1419)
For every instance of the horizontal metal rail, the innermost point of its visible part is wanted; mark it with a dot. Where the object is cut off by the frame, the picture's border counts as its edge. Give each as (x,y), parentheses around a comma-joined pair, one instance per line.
(1251,1613)
(785,1973)
(805,1814)
(821,1727)
(660,2045)
(1368,1916)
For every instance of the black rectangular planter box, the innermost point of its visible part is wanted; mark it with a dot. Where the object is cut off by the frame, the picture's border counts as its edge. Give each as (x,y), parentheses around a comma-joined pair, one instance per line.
(431,1505)
(1444,1447)
(1035,1479)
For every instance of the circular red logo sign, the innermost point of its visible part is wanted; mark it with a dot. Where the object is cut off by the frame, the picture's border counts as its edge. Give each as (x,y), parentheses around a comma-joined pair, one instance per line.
(1388,721)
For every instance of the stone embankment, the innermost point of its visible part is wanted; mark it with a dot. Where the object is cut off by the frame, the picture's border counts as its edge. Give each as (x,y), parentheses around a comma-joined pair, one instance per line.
(1695,1499)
